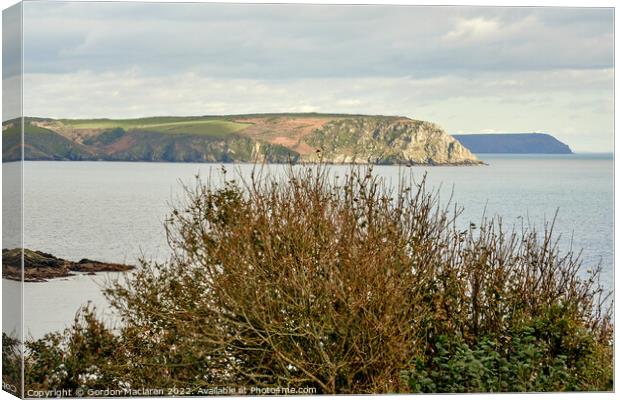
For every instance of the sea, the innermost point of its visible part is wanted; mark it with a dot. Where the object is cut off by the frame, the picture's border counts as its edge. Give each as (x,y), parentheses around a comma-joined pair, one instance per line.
(115,212)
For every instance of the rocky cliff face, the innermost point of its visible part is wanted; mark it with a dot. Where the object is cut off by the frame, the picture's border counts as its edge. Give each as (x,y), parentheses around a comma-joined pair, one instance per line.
(272,138)
(387,141)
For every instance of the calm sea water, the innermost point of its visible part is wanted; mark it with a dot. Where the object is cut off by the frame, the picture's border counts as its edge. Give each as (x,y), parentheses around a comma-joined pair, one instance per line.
(115,211)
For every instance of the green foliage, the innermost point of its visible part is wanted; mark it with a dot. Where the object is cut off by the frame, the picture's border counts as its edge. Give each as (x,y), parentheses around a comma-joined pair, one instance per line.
(39,144)
(11,144)
(105,137)
(86,357)
(180,147)
(11,364)
(545,355)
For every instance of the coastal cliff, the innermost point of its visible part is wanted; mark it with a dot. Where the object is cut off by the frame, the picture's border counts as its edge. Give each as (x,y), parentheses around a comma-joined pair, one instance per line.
(388,141)
(272,138)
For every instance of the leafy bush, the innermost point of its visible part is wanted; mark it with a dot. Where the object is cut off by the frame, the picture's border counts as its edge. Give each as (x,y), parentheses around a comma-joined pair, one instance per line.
(11,364)
(346,286)
(86,357)
(530,360)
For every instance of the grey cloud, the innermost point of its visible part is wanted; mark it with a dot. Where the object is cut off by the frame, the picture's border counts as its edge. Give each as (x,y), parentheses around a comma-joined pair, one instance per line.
(299,41)
(11,41)
(11,62)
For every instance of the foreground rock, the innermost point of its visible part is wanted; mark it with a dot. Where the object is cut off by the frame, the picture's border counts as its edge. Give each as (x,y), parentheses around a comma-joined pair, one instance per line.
(40,266)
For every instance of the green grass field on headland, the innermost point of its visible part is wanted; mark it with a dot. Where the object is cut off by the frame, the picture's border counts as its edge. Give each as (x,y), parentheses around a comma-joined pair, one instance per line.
(102,123)
(130,123)
(191,125)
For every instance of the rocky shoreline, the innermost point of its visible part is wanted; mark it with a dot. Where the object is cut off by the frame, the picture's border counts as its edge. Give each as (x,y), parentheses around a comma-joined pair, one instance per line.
(40,266)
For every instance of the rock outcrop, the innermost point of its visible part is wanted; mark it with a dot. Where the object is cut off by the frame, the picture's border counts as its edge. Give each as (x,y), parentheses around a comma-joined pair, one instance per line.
(388,141)
(40,266)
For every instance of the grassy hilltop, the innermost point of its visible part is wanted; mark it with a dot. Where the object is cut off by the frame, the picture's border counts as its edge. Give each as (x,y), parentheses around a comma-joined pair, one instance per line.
(336,138)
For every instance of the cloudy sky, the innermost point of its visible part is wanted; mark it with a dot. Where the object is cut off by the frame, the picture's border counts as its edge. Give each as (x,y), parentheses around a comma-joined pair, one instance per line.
(468,69)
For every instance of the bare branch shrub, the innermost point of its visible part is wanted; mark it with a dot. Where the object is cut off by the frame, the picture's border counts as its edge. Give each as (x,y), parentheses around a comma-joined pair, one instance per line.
(353,286)
(336,284)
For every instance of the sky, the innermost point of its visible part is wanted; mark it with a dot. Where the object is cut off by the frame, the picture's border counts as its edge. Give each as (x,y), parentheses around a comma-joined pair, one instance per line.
(469,69)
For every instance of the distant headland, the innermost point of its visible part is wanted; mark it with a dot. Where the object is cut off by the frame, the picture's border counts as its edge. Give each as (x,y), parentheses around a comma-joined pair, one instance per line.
(513,143)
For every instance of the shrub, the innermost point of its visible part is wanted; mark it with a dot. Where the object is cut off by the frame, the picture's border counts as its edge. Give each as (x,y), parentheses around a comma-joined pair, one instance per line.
(11,364)
(527,362)
(83,357)
(346,286)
